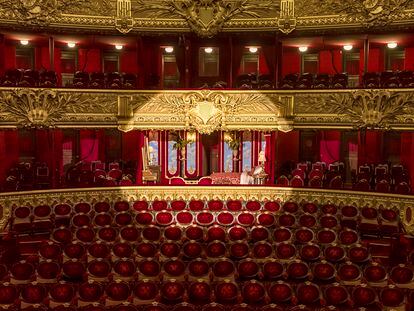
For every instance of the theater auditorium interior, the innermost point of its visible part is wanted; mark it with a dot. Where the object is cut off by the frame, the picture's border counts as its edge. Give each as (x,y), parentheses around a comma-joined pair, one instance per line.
(207,155)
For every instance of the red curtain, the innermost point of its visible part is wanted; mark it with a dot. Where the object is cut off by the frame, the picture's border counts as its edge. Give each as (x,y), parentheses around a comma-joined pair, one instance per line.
(407,153)
(330,146)
(89,145)
(9,152)
(236,57)
(270,152)
(376,60)
(409,58)
(128,61)
(291,61)
(330,61)
(370,147)
(89,60)
(180,60)
(269,52)
(287,148)
(132,143)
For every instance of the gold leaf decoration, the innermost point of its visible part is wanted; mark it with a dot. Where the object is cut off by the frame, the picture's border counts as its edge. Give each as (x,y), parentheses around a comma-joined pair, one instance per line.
(205,17)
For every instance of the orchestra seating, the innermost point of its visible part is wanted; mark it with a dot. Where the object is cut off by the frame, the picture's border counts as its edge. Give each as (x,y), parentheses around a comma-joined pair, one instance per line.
(207,255)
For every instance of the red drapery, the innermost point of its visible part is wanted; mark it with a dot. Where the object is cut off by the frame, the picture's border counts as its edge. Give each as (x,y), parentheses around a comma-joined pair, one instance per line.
(370,147)
(132,143)
(9,152)
(330,146)
(291,61)
(270,153)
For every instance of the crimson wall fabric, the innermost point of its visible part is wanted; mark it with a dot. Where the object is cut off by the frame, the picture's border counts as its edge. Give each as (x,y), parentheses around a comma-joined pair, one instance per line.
(89,60)
(132,143)
(128,62)
(409,58)
(270,153)
(9,57)
(287,147)
(89,145)
(330,61)
(407,152)
(9,152)
(330,146)
(376,60)
(291,61)
(42,59)
(370,147)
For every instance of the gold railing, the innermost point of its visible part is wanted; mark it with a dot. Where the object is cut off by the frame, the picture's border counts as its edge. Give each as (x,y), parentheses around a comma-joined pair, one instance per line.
(208,110)
(403,203)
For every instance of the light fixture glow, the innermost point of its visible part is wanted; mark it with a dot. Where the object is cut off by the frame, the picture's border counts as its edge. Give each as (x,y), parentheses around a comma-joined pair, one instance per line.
(24,42)
(303,48)
(169,49)
(253,49)
(119,47)
(208,50)
(348,47)
(392,45)
(71,44)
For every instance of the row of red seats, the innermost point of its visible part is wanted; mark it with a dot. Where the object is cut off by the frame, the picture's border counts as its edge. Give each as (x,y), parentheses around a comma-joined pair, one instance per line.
(202,293)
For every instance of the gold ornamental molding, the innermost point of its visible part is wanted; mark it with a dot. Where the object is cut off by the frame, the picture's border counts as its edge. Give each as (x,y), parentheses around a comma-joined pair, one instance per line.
(404,204)
(208,110)
(206,18)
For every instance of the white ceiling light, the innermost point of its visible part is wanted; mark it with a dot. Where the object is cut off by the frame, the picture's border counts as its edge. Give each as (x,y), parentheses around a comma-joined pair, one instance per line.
(119,47)
(253,49)
(169,49)
(348,47)
(24,42)
(303,48)
(71,44)
(208,50)
(392,45)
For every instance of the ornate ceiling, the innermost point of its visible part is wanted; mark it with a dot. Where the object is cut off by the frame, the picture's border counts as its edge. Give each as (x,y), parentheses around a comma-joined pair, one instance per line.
(206,18)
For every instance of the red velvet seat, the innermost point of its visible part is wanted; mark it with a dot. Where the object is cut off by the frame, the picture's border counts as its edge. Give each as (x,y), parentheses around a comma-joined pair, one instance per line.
(234,205)
(205,218)
(329,209)
(169,249)
(82,207)
(402,275)
(129,233)
(290,207)
(297,270)
(223,268)
(310,208)
(85,235)
(22,221)
(62,214)
(253,292)
(62,293)
(308,293)
(239,250)
(259,233)
(121,206)
(248,269)
(80,220)
(282,235)
(159,205)
(326,236)
(336,295)
(164,218)
(254,206)
(285,251)
(196,205)
(151,233)
(50,250)
(272,270)
(22,272)
(287,220)
(328,221)
(363,296)
(358,254)
(117,291)
(99,250)
(143,218)
(102,207)
(262,250)
(303,235)
(375,274)
(124,269)
(173,233)
(215,205)
(42,220)
(266,219)
(245,219)
(324,271)
(184,218)
(146,249)
(392,297)
(9,294)
(33,294)
(349,217)
(307,220)
(62,235)
(280,292)
(334,253)
(102,219)
(122,250)
(226,292)
(149,268)
(90,292)
(74,250)
(237,233)
(310,252)
(216,233)
(145,291)
(99,270)
(194,232)
(172,291)
(389,221)
(198,268)
(174,269)
(178,205)
(349,273)
(199,292)
(348,237)
(73,270)
(140,205)
(47,271)
(216,249)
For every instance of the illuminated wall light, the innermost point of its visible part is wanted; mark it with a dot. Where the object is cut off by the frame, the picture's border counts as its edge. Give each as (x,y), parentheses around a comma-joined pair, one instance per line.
(348,47)
(392,45)
(169,49)
(208,50)
(71,44)
(303,48)
(24,42)
(253,49)
(119,47)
